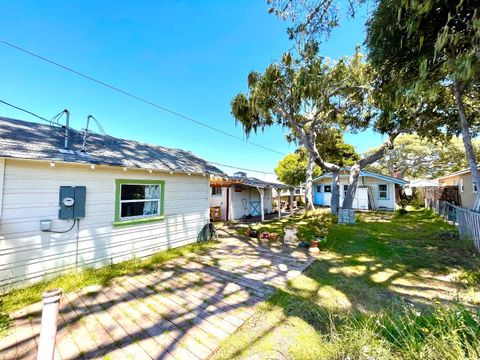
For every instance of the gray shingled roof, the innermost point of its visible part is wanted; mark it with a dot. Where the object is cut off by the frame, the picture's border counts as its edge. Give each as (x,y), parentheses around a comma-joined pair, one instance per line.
(251,181)
(27,140)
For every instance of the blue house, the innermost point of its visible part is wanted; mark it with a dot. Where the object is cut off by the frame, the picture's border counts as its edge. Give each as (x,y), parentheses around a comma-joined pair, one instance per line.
(375,191)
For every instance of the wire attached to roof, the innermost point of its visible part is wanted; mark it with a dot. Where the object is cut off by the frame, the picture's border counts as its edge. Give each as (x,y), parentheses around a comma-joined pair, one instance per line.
(151,103)
(103,133)
(240,168)
(50,122)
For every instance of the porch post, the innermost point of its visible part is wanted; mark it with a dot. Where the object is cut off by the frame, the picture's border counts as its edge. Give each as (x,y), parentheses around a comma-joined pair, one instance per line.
(262,194)
(279,200)
(291,200)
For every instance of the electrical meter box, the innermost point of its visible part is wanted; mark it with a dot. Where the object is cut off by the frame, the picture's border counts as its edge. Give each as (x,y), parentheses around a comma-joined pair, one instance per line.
(72,202)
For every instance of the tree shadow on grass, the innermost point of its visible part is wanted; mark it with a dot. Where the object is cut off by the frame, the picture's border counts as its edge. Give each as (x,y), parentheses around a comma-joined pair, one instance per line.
(395,266)
(183,309)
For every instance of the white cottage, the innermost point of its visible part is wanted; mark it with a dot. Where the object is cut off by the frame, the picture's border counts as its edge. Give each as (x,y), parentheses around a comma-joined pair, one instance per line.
(63,207)
(374,191)
(239,196)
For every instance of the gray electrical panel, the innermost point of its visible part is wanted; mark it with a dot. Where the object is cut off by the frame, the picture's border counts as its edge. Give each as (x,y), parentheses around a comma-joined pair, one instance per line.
(72,202)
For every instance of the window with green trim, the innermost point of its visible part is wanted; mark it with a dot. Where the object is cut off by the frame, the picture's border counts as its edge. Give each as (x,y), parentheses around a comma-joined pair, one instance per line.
(138,199)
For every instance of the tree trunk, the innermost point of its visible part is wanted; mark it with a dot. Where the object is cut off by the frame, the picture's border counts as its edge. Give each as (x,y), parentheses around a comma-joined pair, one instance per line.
(309,184)
(335,199)
(352,187)
(467,138)
(360,165)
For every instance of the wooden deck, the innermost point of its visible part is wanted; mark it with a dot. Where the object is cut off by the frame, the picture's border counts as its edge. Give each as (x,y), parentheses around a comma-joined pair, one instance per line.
(181,311)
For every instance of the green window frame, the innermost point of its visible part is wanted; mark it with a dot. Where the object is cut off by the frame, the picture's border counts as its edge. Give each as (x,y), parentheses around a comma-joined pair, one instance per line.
(119,221)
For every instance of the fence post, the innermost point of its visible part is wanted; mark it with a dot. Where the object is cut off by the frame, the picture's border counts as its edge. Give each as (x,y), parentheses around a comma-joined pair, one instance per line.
(48,330)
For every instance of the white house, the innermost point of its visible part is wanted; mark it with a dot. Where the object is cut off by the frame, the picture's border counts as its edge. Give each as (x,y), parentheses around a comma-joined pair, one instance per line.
(239,196)
(61,207)
(374,191)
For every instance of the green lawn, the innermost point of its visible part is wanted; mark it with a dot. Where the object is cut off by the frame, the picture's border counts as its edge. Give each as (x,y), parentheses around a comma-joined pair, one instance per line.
(388,287)
(75,280)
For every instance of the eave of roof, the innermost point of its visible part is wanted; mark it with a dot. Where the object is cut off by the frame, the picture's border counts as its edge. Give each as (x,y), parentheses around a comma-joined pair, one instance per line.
(456,173)
(32,141)
(257,183)
(369,174)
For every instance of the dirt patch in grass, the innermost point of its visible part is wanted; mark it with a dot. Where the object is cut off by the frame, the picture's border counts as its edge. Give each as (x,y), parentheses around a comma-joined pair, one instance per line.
(388,287)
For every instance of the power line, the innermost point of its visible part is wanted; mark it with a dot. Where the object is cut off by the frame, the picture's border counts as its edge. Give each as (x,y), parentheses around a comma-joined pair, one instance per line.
(124,92)
(103,133)
(240,168)
(26,111)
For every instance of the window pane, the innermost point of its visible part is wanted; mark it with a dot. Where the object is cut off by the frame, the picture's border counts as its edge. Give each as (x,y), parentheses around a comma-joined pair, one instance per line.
(152,192)
(319,189)
(140,208)
(328,188)
(382,187)
(140,192)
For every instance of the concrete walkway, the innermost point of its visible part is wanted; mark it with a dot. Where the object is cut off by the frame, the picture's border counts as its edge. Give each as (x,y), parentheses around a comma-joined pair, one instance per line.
(181,311)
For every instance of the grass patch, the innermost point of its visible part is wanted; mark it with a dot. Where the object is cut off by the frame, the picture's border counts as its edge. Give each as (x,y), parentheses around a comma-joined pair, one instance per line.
(388,287)
(75,280)
(310,224)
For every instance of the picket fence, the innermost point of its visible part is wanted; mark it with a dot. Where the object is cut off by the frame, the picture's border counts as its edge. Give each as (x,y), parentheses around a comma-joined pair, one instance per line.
(466,221)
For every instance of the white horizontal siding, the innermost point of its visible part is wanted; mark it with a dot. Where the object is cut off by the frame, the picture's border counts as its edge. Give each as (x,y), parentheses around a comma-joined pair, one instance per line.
(30,194)
(373,183)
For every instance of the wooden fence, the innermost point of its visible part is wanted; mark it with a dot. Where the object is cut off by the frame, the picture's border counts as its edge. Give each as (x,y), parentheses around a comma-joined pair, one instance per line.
(447,193)
(467,221)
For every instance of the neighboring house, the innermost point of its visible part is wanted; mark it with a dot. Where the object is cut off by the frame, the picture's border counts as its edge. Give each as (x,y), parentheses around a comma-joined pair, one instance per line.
(239,196)
(419,183)
(118,199)
(374,191)
(463,181)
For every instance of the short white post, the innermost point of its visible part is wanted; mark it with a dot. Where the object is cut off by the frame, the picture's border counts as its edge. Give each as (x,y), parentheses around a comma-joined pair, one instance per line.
(291,200)
(262,194)
(279,200)
(48,330)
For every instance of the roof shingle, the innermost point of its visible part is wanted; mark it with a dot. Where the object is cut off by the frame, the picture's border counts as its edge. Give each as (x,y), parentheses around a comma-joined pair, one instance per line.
(27,140)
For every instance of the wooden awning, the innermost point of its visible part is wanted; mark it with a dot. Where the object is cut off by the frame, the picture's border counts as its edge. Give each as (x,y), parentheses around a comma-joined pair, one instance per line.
(224,182)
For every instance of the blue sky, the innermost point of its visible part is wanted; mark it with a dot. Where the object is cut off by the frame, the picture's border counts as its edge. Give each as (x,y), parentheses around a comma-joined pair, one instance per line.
(188,56)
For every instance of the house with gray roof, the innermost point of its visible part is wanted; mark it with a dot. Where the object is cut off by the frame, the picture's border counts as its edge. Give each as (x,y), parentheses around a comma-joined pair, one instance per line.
(77,199)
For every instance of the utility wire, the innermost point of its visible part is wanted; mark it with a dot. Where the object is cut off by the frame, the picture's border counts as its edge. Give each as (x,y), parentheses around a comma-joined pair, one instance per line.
(240,168)
(104,134)
(26,111)
(124,92)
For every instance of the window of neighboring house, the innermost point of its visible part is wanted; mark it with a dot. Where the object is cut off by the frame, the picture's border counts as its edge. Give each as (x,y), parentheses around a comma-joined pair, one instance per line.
(139,199)
(345,188)
(216,191)
(474,187)
(383,191)
(328,188)
(319,188)
(462,186)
